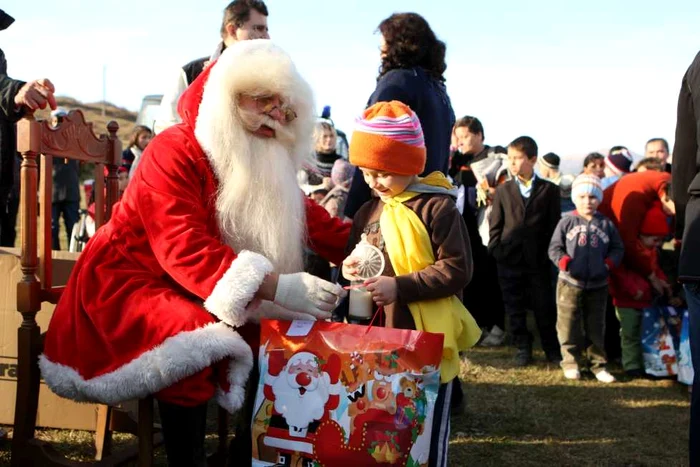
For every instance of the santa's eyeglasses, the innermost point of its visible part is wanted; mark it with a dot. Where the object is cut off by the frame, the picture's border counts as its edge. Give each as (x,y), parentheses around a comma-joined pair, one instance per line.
(266,104)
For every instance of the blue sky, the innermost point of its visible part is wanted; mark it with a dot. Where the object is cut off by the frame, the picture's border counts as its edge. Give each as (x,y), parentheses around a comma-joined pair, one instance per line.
(576,76)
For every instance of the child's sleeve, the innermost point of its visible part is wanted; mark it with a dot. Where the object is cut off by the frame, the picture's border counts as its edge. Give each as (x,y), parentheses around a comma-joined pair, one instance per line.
(554,209)
(453,265)
(557,246)
(616,250)
(496,221)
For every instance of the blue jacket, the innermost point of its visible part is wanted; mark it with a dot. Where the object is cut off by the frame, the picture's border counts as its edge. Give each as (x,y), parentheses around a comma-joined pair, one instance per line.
(428,98)
(584,250)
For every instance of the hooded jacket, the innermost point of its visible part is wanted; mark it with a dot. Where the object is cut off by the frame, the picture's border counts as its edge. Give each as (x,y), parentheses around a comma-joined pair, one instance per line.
(584,251)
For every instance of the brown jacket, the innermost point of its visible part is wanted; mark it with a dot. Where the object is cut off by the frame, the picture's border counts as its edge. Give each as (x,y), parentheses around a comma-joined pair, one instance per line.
(453,266)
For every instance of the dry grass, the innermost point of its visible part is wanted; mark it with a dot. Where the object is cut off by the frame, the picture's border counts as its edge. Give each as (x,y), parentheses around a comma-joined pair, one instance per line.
(531,416)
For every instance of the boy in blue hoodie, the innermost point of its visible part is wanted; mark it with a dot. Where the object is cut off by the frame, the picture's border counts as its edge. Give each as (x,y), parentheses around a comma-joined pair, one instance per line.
(585,246)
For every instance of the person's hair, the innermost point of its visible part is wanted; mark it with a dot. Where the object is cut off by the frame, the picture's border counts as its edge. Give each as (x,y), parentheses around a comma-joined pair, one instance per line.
(472,124)
(617,148)
(526,145)
(238,12)
(592,157)
(654,140)
(411,43)
(135,133)
(650,163)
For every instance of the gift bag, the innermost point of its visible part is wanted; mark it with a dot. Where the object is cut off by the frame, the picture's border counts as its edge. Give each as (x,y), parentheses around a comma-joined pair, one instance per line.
(657,342)
(685,362)
(336,394)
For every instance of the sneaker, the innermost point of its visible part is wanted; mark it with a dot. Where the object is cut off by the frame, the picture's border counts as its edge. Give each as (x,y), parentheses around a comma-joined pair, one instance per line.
(604,377)
(523,357)
(572,373)
(494,338)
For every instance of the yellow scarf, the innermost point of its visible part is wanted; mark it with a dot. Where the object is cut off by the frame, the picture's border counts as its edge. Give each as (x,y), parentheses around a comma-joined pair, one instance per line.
(409,249)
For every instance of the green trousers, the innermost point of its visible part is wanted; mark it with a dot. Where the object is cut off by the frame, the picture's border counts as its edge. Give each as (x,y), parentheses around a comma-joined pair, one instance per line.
(630,337)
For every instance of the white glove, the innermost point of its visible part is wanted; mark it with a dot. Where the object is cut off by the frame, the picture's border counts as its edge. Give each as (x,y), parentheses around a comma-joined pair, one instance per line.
(308,294)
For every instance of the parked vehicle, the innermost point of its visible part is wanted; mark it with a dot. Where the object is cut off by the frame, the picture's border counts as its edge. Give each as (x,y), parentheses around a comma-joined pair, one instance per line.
(149,110)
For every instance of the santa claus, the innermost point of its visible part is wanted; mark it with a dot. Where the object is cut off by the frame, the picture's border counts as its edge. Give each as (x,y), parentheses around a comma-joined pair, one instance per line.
(303,390)
(208,237)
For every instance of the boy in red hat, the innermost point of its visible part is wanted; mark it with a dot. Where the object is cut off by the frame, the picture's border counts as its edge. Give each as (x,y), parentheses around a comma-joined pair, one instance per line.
(632,291)
(415,223)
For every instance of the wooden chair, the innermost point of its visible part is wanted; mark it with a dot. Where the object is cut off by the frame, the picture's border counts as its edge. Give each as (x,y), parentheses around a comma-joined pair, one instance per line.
(72,139)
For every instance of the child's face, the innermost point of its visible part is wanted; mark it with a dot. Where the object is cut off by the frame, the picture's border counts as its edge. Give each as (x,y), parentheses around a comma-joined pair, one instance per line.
(586,204)
(519,164)
(386,184)
(651,241)
(468,142)
(595,167)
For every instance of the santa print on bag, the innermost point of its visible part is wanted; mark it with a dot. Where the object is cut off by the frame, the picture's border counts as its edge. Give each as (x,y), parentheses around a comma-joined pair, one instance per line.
(303,389)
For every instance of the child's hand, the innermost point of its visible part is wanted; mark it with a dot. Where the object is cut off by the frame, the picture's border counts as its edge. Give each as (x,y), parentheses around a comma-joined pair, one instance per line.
(383,289)
(350,268)
(676,302)
(638,295)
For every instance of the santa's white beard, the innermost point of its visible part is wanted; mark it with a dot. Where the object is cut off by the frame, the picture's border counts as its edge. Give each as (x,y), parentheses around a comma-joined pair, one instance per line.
(259,204)
(300,410)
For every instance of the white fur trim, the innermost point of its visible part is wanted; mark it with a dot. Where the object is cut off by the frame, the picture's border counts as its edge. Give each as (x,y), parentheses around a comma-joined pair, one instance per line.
(257,66)
(176,358)
(237,377)
(235,290)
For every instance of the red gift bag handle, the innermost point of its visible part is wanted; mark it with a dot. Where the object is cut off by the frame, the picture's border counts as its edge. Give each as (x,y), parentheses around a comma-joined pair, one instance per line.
(380,310)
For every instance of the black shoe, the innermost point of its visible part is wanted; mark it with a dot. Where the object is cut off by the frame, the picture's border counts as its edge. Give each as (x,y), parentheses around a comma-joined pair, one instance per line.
(523,357)
(554,357)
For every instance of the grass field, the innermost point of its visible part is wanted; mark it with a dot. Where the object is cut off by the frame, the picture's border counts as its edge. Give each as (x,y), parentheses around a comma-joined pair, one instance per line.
(532,416)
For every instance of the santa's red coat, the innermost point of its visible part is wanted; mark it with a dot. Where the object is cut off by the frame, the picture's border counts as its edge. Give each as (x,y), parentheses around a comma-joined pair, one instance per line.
(151,301)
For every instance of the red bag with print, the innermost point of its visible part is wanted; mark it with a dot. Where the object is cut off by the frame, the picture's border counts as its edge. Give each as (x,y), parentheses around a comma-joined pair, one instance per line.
(335,394)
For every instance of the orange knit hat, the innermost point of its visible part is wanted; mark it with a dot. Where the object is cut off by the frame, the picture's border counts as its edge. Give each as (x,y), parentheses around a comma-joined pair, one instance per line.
(655,222)
(388,138)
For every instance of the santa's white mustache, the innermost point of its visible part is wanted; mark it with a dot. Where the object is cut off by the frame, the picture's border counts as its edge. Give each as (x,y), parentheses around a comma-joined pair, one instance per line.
(253,121)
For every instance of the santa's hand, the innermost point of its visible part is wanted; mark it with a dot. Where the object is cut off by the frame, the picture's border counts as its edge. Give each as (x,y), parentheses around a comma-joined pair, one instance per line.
(307,294)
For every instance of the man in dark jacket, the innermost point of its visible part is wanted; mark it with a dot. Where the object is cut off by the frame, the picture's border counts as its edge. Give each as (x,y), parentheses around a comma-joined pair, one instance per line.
(15,98)
(686,194)
(243,20)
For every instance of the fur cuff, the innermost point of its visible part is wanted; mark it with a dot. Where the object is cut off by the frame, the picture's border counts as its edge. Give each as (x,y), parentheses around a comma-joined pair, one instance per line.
(235,290)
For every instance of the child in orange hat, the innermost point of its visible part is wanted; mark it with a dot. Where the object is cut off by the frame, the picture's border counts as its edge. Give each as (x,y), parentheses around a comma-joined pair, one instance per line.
(632,291)
(415,223)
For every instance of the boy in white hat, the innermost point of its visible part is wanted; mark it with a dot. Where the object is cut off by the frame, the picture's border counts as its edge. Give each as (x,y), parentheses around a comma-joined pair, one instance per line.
(585,246)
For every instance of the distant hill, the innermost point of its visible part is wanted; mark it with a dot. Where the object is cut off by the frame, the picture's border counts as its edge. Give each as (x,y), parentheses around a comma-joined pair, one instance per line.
(93,113)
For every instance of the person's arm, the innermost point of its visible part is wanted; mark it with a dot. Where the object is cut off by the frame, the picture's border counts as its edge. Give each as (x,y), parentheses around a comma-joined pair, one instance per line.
(685,151)
(557,246)
(167,113)
(453,265)
(9,88)
(326,235)
(496,221)
(554,209)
